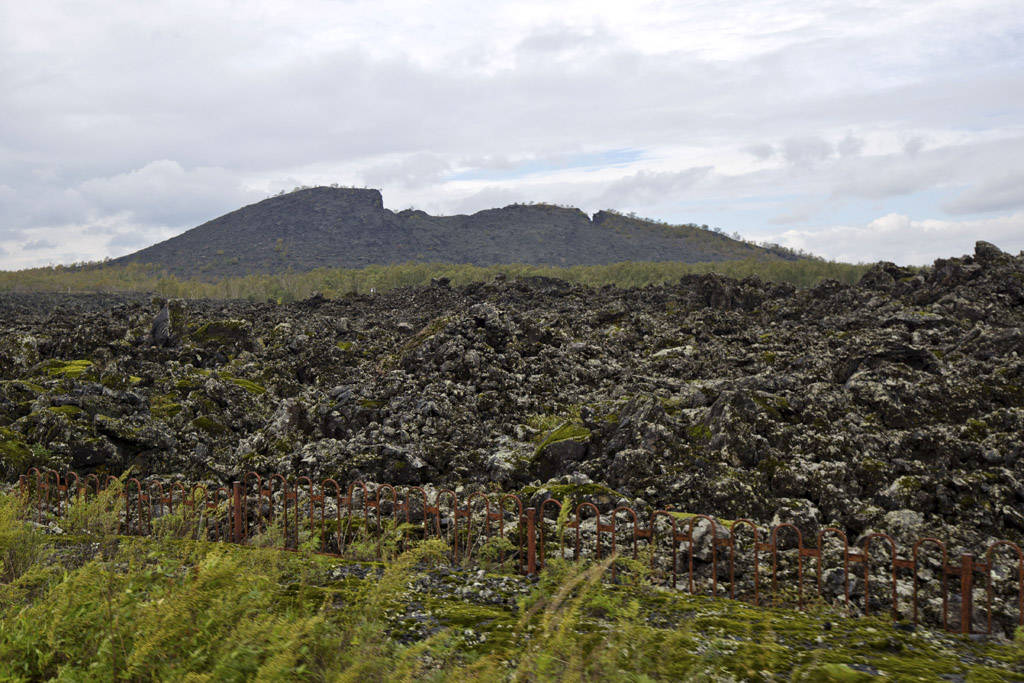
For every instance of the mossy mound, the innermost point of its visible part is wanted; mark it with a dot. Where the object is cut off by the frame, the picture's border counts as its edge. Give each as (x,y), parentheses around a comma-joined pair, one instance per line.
(248,385)
(71,369)
(566,431)
(209,425)
(164,407)
(559,449)
(15,454)
(230,333)
(571,495)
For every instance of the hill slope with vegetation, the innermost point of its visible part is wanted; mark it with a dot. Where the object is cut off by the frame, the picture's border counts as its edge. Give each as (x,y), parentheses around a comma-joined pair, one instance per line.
(327,227)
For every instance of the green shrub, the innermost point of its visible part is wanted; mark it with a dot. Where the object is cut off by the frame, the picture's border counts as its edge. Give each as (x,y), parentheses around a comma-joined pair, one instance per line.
(97,515)
(163,608)
(21,544)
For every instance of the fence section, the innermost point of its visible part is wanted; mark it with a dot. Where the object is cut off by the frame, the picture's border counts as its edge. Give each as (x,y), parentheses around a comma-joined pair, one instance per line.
(362,518)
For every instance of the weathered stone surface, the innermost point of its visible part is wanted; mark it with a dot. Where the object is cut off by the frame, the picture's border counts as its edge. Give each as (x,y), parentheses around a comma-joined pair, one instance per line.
(896,404)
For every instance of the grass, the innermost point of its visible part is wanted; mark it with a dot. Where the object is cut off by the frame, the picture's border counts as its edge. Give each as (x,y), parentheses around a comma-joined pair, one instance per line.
(90,605)
(334,282)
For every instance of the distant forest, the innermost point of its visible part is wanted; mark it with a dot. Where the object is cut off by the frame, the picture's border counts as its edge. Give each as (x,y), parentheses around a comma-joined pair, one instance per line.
(333,282)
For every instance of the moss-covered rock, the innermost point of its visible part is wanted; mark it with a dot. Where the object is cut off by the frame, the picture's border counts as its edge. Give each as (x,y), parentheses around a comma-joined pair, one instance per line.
(209,425)
(571,495)
(67,411)
(232,333)
(164,407)
(559,449)
(15,454)
(116,380)
(71,369)
(250,386)
(18,350)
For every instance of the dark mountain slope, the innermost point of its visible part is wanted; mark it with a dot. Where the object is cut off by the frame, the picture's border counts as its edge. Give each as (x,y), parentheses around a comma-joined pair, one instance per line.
(331,227)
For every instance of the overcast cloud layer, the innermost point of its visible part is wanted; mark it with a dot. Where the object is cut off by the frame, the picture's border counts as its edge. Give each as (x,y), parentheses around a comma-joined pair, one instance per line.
(859,131)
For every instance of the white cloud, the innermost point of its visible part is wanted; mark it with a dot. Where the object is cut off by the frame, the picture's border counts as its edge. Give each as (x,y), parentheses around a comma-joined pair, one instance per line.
(164,116)
(850,146)
(112,235)
(913,146)
(760,151)
(806,151)
(38,245)
(995,194)
(921,241)
(643,188)
(166,193)
(881,176)
(415,170)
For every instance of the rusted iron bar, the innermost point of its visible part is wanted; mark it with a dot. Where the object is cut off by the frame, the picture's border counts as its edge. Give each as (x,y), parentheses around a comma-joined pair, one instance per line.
(540,521)
(1020,580)
(531,541)
(238,534)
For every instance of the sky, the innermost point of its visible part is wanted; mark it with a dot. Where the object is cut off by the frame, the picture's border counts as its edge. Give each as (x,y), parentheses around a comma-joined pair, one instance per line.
(859,131)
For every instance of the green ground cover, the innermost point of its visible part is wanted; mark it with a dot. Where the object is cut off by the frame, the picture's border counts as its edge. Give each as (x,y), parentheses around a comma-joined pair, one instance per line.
(90,605)
(333,282)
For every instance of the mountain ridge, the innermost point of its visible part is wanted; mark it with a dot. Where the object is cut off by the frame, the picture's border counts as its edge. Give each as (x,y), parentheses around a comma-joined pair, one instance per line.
(347,227)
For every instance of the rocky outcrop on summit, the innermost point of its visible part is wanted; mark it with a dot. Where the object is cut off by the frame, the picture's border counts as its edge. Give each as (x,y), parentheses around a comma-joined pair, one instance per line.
(350,228)
(894,404)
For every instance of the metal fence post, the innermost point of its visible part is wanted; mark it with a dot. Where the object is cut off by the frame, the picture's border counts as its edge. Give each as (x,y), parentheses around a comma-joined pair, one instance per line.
(531,541)
(966,591)
(236,490)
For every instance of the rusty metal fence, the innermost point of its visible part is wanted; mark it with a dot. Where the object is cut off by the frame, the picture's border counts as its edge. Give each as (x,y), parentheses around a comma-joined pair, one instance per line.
(740,559)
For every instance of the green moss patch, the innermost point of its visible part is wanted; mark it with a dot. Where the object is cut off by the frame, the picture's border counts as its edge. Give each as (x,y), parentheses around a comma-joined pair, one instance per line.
(975,430)
(776,406)
(164,407)
(574,494)
(251,387)
(211,426)
(114,380)
(699,433)
(17,456)
(14,388)
(184,386)
(687,516)
(71,369)
(14,452)
(69,412)
(564,432)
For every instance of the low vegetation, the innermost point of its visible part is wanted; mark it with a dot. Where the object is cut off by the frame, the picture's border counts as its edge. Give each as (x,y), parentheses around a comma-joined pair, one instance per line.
(87,604)
(332,282)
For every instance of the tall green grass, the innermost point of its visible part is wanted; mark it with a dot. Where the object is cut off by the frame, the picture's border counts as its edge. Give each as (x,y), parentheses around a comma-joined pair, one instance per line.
(89,605)
(332,282)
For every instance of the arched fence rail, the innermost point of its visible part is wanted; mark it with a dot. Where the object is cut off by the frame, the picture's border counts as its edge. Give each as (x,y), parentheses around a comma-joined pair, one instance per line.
(362,518)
